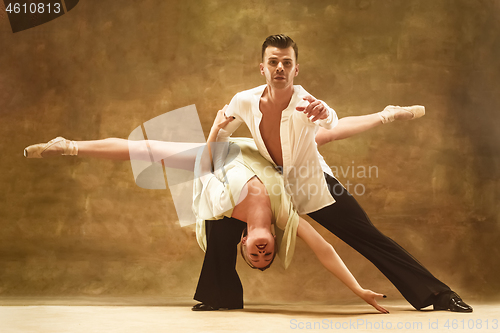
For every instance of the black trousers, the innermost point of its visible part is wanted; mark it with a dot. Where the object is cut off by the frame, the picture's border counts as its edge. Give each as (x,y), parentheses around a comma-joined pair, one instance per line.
(220,286)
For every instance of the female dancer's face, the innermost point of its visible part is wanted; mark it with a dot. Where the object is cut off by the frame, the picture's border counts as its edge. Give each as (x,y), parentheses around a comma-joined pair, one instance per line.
(259,248)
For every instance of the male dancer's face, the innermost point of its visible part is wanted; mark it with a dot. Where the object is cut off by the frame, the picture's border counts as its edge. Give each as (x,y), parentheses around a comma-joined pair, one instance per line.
(279,67)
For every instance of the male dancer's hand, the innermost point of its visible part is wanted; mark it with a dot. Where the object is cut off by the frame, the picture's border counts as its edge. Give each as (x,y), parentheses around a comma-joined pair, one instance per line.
(370,297)
(315,109)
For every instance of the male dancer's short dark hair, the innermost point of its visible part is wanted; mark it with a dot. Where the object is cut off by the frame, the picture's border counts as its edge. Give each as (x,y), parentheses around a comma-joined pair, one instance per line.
(280,41)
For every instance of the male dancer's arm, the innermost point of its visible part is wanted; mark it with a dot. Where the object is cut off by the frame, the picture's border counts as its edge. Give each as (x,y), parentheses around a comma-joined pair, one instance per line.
(331,260)
(318,112)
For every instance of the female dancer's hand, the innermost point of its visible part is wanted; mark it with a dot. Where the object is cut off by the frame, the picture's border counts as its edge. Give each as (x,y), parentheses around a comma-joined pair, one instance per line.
(219,123)
(370,297)
(221,120)
(331,260)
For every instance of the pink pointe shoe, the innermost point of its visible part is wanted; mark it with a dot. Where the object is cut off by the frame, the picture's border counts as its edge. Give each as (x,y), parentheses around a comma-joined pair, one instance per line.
(391,113)
(57,146)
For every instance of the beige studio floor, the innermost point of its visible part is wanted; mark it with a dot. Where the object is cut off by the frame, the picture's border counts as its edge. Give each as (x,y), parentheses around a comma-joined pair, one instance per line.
(125,315)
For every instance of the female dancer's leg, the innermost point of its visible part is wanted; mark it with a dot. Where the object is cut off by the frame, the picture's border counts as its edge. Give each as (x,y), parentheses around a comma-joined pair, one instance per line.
(174,154)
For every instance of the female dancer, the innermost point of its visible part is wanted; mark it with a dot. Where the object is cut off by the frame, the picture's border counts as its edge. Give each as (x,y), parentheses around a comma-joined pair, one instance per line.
(248,194)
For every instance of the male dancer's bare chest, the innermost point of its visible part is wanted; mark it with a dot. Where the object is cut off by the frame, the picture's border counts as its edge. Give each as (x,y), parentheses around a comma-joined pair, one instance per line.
(270,132)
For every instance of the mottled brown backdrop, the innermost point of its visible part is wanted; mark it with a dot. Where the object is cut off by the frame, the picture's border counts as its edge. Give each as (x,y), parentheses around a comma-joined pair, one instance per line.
(81,227)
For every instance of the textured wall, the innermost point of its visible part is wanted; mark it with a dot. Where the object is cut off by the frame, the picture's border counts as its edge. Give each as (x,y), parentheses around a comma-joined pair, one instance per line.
(74,226)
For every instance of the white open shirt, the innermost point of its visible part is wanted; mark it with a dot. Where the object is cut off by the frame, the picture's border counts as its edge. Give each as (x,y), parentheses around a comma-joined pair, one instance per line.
(303,166)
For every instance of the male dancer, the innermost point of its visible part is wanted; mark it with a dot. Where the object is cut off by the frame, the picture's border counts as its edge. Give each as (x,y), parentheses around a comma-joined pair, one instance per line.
(285,137)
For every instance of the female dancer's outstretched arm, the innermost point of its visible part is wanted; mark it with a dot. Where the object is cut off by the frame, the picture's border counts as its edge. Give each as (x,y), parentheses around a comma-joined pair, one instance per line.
(331,260)
(349,126)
